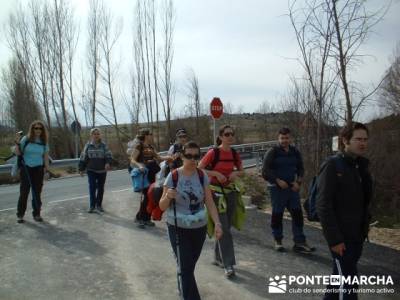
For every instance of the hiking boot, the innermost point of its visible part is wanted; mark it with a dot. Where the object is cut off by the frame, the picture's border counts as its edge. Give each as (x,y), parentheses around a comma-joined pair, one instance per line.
(229,272)
(20,220)
(141,224)
(303,248)
(149,223)
(100,209)
(278,246)
(218,263)
(38,218)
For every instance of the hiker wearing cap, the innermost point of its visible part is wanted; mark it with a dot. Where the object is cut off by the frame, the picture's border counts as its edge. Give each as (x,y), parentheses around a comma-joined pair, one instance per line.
(283,170)
(185,192)
(344,193)
(224,165)
(96,159)
(144,158)
(33,153)
(176,149)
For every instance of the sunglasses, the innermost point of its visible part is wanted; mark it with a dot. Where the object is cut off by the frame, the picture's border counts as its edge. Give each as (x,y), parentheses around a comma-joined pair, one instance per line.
(192,156)
(182,136)
(38,128)
(228,134)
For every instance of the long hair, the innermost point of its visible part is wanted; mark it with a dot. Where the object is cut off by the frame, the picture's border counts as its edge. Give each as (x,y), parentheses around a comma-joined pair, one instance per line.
(44,137)
(221,131)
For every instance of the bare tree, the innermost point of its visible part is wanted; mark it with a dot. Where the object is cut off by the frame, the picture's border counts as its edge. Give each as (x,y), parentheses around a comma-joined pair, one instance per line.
(390,89)
(21,102)
(109,35)
(193,93)
(93,53)
(353,23)
(168,20)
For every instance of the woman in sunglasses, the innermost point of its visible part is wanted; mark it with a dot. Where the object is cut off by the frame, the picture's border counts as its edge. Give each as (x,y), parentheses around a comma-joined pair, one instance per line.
(33,150)
(223,165)
(186,190)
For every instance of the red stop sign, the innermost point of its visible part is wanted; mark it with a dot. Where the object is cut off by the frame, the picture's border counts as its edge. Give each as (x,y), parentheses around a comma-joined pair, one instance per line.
(216,108)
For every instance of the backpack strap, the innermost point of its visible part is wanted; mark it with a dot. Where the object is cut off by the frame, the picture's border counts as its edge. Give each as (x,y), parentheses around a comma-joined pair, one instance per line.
(201,176)
(175,177)
(217,160)
(339,163)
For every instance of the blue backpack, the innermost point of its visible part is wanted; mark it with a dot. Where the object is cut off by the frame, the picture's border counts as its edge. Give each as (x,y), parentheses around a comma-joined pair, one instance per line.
(310,203)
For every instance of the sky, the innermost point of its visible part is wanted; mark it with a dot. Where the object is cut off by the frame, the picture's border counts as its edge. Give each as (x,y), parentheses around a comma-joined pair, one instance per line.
(241,51)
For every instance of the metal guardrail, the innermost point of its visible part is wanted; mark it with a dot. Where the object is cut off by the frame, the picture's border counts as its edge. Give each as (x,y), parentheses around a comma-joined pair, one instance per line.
(73,162)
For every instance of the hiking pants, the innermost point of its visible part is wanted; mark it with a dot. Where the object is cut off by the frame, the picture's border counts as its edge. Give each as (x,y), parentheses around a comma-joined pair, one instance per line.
(281,199)
(223,250)
(96,188)
(190,244)
(345,265)
(36,178)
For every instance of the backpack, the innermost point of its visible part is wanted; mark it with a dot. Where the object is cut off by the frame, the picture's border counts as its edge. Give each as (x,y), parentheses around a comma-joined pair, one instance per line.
(310,203)
(216,159)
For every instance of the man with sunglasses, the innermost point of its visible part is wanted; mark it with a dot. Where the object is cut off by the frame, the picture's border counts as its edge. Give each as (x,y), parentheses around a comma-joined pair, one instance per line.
(283,169)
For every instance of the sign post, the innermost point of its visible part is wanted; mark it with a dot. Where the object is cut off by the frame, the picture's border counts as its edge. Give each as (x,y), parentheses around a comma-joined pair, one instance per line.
(76,129)
(216,110)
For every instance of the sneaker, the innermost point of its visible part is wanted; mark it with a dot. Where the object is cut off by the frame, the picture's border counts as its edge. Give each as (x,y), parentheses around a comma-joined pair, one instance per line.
(38,218)
(91,210)
(100,209)
(149,223)
(303,248)
(20,220)
(141,224)
(229,272)
(278,246)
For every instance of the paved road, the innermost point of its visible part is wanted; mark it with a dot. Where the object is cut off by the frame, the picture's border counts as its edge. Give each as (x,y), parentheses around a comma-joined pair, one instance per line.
(75,255)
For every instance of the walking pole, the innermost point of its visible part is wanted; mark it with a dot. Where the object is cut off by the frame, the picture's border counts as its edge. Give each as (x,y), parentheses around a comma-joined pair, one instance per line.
(178,252)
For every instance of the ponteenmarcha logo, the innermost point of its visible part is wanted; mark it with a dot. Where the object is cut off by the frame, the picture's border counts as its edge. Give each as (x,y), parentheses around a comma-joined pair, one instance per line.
(277,285)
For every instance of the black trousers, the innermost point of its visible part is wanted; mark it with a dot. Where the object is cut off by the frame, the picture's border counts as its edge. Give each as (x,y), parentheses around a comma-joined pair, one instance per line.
(345,265)
(31,178)
(190,244)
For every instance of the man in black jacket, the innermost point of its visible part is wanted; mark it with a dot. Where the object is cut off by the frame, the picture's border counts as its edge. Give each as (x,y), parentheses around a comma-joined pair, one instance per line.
(343,197)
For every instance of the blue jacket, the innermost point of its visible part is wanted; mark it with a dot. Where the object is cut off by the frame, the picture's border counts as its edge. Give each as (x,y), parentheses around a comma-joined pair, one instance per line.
(139,179)
(283,165)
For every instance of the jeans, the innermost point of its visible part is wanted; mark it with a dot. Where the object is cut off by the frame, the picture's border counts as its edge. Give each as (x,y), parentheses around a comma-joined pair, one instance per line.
(190,244)
(31,178)
(96,188)
(223,249)
(345,265)
(289,199)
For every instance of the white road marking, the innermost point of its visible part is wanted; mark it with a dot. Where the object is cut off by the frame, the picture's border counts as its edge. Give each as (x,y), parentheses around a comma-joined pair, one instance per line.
(68,199)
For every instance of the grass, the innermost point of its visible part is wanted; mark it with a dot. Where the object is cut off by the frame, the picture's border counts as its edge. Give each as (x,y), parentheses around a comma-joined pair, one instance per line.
(5,151)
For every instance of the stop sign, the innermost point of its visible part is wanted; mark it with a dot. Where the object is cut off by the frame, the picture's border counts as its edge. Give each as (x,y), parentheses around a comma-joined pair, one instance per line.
(216,108)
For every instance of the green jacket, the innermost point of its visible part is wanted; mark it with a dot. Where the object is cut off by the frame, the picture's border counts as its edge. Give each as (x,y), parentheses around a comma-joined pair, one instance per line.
(239,217)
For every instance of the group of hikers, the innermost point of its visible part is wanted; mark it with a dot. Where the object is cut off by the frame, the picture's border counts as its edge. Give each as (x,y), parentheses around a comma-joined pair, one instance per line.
(201,195)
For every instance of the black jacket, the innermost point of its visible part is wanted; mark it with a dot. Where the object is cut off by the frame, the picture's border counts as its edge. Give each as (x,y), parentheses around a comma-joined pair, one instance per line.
(343,199)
